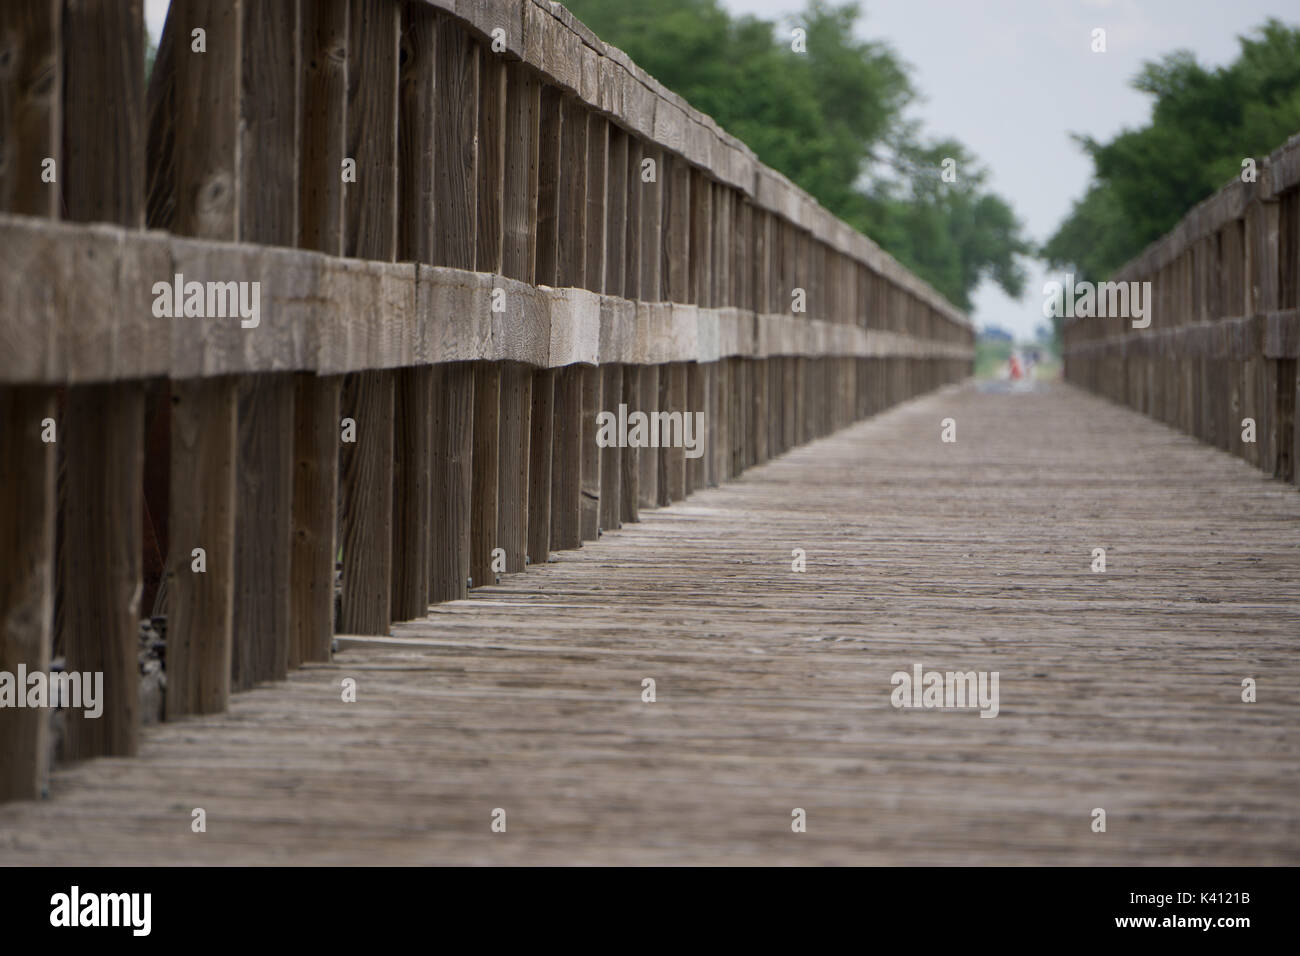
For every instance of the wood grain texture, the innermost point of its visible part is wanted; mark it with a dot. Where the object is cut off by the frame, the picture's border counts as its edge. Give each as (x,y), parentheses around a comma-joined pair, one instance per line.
(456,146)
(540,450)
(366,503)
(611,458)
(412,491)
(486,463)
(591,457)
(522,162)
(490,235)
(451,444)
(773,687)
(648,458)
(201,515)
(324,123)
(263,529)
(629,503)
(514,463)
(566,460)
(416,131)
(550,163)
(31,96)
(315,516)
(571,255)
(27,513)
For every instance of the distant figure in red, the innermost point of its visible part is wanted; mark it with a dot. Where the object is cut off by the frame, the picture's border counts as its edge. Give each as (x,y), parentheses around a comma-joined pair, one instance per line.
(1016,372)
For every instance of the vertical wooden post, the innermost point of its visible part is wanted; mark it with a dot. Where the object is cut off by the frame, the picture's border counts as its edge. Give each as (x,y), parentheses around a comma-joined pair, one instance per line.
(676,230)
(456,62)
(590,455)
(370,232)
(200,583)
(649,457)
(102,431)
(263,529)
(514,463)
(27,573)
(201,501)
(413,530)
(630,466)
(616,214)
(323,62)
(412,492)
(545,381)
(611,458)
(542,428)
(486,463)
(672,459)
(597,170)
(268,213)
(315,510)
(566,458)
(451,444)
(695,402)
(572,252)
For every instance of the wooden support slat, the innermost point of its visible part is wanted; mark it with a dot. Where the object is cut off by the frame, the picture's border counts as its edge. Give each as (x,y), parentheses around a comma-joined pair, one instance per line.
(676,230)
(452,479)
(366,504)
(701,242)
(456,146)
(648,402)
(550,162)
(370,232)
(323,127)
(263,529)
(515,429)
(590,457)
(26,577)
(611,457)
(323,63)
(630,493)
(203,443)
(413,530)
(696,468)
(572,251)
(412,492)
(31,93)
(99,574)
(709,372)
(541,442)
(268,213)
(486,463)
(416,132)
(597,170)
(632,228)
(651,215)
(523,151)
(490,237)
(315,511)
(672,458)
(202,515)
(616,213)
(566,460)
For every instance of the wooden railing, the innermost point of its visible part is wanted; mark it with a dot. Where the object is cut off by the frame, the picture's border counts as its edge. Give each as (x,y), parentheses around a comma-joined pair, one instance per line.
(1217,356)
(472,226)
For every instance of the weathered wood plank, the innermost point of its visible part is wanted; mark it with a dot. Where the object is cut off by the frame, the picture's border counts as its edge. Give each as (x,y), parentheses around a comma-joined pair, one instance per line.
(452,423)
(27,511)
(315,514)
(486,463)
(590,457)
(566,460)
(201,559)
(540,448)
(456,146)
(515,432)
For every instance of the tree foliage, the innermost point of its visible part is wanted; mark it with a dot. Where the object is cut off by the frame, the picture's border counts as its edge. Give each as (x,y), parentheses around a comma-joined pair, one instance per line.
(1204,122)
(831,119)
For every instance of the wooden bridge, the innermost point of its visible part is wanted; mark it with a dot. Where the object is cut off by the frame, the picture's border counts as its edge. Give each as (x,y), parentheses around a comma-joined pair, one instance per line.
(403,594)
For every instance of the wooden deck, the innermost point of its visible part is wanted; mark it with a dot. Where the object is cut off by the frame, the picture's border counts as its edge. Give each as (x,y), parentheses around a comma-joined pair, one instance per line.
(1118,690)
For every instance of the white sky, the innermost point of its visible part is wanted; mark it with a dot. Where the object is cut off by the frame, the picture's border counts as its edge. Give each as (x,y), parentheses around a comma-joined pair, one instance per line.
(1013,78)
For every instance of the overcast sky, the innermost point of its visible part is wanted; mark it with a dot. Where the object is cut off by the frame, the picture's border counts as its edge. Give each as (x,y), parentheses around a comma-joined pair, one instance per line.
(1013,78)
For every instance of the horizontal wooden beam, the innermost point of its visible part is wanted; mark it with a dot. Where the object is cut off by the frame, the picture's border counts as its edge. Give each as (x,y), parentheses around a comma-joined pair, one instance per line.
(332,315)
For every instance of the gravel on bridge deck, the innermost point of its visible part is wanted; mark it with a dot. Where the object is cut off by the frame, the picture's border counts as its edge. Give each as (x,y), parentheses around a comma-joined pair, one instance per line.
(1120,690)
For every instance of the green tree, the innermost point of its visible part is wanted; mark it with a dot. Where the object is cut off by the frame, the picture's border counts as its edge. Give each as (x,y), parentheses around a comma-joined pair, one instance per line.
(831,119)
(1204,122)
